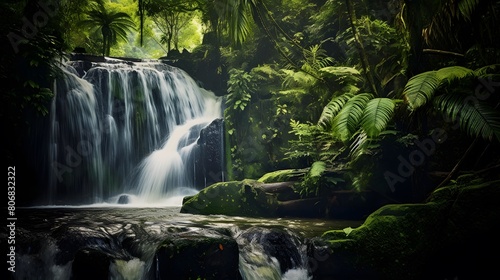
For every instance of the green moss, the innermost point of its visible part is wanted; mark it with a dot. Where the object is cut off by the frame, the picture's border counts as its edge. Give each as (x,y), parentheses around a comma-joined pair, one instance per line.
(401,241)
(236,198)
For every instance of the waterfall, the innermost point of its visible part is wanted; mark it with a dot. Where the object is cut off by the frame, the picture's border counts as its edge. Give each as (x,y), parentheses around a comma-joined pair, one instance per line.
(125,128)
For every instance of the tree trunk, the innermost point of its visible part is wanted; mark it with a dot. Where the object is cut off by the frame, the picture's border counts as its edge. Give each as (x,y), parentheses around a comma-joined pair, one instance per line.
(361,49)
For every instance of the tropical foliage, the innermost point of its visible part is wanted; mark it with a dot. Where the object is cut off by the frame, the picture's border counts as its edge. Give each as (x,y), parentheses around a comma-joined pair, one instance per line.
(112,26)
(320,85)
(447,91)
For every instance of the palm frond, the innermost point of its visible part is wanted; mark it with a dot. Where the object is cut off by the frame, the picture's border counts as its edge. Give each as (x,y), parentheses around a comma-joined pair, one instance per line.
(238,16)
(377,114)
(347,121)
(476,118)
(420,89)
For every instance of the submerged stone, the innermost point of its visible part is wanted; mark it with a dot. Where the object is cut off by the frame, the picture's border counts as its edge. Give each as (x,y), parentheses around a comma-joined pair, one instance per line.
(213,256)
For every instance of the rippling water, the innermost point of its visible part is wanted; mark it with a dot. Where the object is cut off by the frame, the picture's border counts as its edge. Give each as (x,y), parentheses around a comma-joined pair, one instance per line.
(47,238)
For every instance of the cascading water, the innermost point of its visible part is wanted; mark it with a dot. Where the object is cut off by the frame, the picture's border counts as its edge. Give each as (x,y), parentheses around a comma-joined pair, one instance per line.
(146,244)
(271,254)
(136,133)
(125,127)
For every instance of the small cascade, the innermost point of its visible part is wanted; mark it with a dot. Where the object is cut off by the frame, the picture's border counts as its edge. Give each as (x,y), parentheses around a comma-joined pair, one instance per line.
(125,128)
(271,254)
(163,172)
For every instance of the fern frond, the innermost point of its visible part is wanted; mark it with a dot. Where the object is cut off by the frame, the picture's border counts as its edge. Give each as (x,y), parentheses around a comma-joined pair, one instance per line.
(489,69)
(359,145)
(475,118)
(332,109)
(449,74)
(293,91)
(340,71)
(467,7)
(347,121)
(420,89)
(377,114)
(298,78)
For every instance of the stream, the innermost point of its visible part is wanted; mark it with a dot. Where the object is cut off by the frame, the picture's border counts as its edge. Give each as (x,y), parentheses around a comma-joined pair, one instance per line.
(49,238)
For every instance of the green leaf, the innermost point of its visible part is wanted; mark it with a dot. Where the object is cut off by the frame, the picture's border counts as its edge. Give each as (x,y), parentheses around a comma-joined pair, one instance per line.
(377,114)
(474,117)
(347,121)
(449,74)
(466,7)
(332,109)
(317,168)
(489,69)
(340,71)
(347,230)
(420,89)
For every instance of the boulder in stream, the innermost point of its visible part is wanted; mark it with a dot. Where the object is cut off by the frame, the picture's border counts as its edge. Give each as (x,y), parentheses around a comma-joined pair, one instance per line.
(194,256)
(236,198)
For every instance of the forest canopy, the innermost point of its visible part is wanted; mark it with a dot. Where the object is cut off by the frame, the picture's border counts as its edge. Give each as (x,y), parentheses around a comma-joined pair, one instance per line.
(350,85)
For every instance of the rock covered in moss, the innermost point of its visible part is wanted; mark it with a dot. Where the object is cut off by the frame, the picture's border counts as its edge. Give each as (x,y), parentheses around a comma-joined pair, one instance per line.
(236,198)
(448,237)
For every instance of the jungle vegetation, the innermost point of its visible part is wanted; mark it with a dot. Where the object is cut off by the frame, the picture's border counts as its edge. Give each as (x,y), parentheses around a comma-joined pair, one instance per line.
(397,96)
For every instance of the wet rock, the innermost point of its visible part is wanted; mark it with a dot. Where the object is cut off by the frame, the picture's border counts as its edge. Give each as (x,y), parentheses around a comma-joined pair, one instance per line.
(449,237)
(210,161)
(91,264)
(236,198)
(278,244)
(213,256)
(124,199)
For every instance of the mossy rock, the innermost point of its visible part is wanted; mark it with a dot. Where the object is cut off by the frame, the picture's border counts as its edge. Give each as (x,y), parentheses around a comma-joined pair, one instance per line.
(236,198)
(443,238)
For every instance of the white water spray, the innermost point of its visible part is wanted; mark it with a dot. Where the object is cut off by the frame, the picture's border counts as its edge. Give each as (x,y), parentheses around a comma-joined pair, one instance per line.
(125,128)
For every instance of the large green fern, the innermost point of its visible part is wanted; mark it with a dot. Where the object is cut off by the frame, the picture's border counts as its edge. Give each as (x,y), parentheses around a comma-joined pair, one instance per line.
(347,113)
(347,121)
(332,109)
(421,88)
(377,114)
(476,118)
